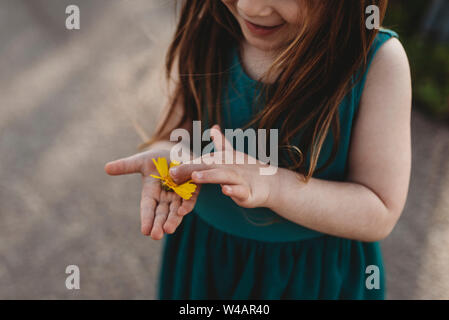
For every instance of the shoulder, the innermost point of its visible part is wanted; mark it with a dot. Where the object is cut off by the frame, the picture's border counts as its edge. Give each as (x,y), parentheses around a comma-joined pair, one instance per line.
(389,72)
(386,55)
(390,57)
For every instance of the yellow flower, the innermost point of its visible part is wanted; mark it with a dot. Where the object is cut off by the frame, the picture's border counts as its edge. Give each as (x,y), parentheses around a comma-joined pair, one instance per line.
(184,190)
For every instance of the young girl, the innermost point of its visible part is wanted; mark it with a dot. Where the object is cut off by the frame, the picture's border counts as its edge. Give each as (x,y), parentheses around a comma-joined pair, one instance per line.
(340,95)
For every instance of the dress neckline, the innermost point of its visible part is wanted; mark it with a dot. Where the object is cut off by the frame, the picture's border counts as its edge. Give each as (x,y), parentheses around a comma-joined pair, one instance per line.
(238,63)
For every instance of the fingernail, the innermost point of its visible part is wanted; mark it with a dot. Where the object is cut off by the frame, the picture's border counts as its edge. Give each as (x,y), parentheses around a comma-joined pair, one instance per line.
(173,171)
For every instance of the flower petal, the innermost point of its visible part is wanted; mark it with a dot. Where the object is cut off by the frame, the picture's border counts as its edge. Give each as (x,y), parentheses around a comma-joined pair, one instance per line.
(185,190)
(161,166)
(174,163)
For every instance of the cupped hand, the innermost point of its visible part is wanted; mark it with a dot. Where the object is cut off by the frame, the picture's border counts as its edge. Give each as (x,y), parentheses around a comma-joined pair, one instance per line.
(161,211)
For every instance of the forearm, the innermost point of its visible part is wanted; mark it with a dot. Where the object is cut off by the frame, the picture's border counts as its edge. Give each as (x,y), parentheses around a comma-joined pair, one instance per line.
(342,209)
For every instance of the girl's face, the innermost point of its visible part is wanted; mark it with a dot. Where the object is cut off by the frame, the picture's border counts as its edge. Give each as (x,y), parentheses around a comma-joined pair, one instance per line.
(267,24)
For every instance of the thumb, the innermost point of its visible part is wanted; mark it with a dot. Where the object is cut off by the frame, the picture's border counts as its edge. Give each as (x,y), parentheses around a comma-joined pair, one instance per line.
(132,164)
(220,141)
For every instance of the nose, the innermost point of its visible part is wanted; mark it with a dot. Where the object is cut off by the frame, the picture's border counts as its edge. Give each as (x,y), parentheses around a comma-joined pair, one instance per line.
(255,8)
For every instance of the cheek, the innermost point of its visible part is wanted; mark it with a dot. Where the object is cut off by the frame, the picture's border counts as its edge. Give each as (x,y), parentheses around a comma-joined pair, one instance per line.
(292,18)
(292,11)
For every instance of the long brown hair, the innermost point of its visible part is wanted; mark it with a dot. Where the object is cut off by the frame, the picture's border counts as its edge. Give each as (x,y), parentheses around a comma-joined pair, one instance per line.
(314,72)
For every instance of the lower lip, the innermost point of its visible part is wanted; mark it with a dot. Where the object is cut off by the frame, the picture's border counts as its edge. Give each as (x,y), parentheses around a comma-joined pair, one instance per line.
(261,31)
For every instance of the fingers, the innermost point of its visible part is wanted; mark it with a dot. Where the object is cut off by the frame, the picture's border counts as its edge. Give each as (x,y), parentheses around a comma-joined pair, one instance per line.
(183,172)
(217,176)
(132,164)
(188,205)
(240,193)
(151,190)
(161,214)
(173,219)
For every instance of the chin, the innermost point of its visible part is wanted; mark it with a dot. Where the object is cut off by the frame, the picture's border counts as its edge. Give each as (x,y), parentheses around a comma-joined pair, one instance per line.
(261,44)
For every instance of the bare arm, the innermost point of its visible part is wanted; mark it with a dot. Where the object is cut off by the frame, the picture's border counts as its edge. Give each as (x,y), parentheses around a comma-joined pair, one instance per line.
(367,206)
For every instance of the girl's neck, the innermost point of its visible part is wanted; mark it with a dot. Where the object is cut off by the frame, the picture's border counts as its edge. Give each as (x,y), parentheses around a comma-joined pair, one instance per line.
(256,62)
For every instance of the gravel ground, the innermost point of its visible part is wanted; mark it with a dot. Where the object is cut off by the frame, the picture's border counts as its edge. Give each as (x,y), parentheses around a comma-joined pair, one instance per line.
(68,103)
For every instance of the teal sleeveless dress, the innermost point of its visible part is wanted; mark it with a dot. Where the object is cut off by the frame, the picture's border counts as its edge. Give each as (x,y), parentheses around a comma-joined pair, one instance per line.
(223,251)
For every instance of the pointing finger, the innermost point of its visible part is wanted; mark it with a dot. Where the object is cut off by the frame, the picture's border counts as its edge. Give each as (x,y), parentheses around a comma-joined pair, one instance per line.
(217,176)
(183,172)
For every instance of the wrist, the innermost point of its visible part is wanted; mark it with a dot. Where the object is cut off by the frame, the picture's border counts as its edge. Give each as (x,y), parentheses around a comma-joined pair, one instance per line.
(274,189)
(277,191)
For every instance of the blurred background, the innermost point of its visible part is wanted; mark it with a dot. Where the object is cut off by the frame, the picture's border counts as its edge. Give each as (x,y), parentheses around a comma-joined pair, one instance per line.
(72,100)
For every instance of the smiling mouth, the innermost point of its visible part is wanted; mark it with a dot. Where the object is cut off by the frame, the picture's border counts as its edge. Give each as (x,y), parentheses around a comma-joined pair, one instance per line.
(262,30)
